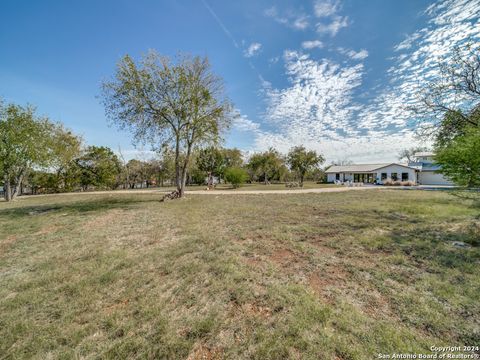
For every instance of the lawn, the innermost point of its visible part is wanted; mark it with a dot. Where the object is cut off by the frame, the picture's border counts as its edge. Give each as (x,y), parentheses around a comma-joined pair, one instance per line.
(308,276)
(252,187)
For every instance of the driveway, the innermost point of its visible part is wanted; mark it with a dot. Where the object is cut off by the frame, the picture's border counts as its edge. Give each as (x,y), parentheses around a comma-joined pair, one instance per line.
(215,192)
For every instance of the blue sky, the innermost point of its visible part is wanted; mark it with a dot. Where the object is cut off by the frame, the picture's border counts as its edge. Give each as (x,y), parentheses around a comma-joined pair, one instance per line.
(330,74)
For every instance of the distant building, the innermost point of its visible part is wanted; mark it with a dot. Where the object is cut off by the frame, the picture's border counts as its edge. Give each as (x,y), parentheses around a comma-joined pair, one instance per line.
(427,170)
(422,171)
(372,173)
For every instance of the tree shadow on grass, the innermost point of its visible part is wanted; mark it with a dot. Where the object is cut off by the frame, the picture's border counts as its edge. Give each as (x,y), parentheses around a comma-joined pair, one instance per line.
(96,205)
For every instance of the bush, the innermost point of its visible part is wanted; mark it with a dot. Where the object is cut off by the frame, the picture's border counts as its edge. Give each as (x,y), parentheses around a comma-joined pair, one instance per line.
(236,176)
(390,182)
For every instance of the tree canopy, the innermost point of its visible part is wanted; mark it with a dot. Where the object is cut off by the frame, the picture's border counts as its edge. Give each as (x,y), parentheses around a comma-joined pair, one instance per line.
(267,165)
(460,160)
(301,161)
(26,141)
(178,103)
(99,167)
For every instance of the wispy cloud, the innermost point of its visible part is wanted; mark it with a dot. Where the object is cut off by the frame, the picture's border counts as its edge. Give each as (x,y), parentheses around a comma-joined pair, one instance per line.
(319,107)
(293,19)
(332,28)
(354,55)
(451,23)
(220,23)
(252,50)
(243,123)
(331,22)
(325,8)
(311,44)
(316,106)
(248,52)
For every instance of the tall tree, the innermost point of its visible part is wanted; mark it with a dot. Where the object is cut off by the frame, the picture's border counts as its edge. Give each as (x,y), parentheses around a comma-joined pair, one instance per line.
(300,160)
(460,160)
(267,165)
(99,167)
(232,158)
(25,141)
(210,160)
(66,147)
(177,103)
(448,100)
(136,173)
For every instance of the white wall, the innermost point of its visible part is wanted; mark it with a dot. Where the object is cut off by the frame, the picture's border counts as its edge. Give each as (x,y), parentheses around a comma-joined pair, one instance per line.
(332,177)
(396,169)
(388,169)
(432,178)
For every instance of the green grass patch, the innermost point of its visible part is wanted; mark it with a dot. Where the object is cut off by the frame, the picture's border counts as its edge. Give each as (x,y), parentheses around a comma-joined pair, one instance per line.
(333,275)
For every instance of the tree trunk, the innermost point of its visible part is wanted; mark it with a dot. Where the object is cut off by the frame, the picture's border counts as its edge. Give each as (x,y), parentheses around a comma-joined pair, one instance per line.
(17,186)
(178,179)
(183,179)
(8,190)
(265,180)
(301,179)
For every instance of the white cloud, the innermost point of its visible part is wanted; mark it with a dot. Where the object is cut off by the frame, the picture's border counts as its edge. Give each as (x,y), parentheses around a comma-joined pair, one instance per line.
(354,55)
(252,50)
(315,109)
(301,23)
(333,27)
(243,123)
(318,107)
(312,44)
(325,8)
(293,19)
(407,43)
(451,23)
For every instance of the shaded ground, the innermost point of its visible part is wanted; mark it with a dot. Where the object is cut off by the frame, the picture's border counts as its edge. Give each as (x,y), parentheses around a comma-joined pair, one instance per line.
(330,276)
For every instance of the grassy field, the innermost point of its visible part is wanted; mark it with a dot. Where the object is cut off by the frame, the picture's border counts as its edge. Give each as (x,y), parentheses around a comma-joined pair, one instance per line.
(310,276)
(252,187)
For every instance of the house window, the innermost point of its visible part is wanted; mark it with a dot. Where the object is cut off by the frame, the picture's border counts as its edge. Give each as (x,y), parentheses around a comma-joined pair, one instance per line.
(337,176)
(384,176)
(404,176)
(394,176)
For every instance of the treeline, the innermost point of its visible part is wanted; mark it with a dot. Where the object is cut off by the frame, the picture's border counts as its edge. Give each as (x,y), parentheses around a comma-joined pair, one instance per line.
(455,98)
(39,156)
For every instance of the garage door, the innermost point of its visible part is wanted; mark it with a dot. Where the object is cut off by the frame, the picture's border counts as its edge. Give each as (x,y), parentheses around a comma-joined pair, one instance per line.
(431,178)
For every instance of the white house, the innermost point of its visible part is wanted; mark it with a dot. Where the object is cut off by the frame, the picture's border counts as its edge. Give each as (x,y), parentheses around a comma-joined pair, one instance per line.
(372,173)
(422,171)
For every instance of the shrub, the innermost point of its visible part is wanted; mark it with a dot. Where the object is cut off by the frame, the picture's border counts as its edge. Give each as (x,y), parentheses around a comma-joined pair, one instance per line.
(390,182)
(236,176)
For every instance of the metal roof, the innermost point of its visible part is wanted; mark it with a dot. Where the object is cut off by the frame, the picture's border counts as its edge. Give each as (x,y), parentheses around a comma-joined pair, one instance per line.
(424,153)
(360,167)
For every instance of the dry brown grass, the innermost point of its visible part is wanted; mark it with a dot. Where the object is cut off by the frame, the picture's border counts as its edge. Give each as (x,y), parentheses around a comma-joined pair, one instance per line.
(343,275)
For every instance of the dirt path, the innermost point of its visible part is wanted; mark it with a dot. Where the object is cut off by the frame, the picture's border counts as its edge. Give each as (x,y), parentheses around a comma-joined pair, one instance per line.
(291,191)
(215,192)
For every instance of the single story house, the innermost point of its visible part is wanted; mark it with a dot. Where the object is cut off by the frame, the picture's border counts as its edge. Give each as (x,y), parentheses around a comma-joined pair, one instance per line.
(371,173)
(422,171)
